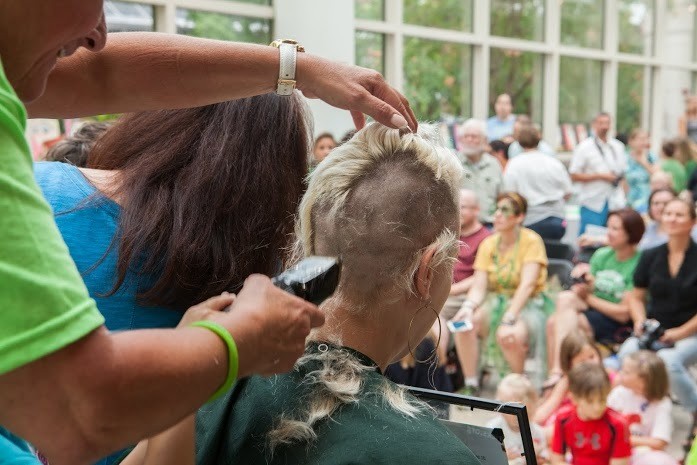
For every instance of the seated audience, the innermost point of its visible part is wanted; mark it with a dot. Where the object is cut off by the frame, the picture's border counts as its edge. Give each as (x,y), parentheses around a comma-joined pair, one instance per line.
(324,143)
(472,233)
(543,181)
(596,302)
(589,431)
(686,154)
(576,348)
(483,173)
(670,165)
(661,180)
(641,164)
(516,148)
(642,397)
(667,277)
(134,222)
(387,204)
(499,150)
(74,149)
(518,388)
(655,235)
(505,304)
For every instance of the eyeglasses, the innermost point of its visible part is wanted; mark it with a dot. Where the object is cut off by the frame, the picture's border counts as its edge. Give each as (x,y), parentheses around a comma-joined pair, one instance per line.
(505,210)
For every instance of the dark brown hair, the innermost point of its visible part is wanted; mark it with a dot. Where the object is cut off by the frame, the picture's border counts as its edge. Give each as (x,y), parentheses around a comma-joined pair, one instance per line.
(528,136)
(668,149)
(520,205)
(76,148)
(572,345)
(208,194)
(632,223)
(652,371)
(324,135)
(653,194)
(588,381)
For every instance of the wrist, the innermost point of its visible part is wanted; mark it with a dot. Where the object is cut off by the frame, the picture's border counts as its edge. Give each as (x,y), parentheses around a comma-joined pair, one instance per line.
(232,354)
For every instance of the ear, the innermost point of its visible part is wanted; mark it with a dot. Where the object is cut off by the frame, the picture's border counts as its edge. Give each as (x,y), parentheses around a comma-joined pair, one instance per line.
(424,274)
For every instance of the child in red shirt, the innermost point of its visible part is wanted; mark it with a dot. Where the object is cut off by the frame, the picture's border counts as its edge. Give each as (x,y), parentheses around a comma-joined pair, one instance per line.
(592,433)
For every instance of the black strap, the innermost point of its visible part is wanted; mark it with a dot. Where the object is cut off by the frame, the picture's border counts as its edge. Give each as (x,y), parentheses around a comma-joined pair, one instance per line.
(602,153)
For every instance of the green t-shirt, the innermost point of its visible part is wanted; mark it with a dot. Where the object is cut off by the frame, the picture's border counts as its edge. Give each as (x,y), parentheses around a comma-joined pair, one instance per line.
(690,167)
(233,429)
(44,305)
(612,277)
(677,171)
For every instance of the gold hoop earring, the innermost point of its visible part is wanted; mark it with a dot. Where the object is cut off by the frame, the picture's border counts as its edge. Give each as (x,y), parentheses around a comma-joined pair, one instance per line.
(434,353)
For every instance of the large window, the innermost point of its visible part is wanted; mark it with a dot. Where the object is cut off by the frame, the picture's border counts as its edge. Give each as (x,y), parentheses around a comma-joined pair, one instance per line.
(675,86)
(370,9)
(582,23)
(223,27)
(679,32)
(522,19)
(631,85)
(519,74)
(370,50)
(437,78)
(445,14)
(580,85)
(126,16)
(636,26)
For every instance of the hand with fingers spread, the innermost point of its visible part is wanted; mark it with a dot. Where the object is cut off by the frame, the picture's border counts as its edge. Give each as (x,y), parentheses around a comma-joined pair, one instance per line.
(269,325)
(362,91)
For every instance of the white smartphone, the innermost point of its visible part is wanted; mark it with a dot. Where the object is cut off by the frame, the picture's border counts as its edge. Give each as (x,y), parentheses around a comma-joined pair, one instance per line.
(459,326)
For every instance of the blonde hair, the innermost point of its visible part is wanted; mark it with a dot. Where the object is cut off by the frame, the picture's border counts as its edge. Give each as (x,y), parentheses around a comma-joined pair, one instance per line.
(379,202)
(651,369)
(519,388)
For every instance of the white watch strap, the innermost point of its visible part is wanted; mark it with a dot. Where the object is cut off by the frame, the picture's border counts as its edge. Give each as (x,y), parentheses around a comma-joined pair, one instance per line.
(286,72)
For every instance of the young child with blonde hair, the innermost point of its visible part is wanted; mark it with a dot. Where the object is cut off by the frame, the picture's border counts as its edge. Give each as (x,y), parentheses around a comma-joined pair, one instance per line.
(642,397)
(518,388)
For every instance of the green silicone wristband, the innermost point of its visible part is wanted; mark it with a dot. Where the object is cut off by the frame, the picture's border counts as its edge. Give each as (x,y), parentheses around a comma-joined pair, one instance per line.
(233,359)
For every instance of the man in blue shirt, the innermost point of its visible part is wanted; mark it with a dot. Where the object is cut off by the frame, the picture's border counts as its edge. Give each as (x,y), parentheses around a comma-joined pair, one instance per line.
(500,125)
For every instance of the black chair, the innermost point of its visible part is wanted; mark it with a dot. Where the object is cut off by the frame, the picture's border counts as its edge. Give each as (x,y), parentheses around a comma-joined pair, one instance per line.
(559,250)
(562,270)
(484,442)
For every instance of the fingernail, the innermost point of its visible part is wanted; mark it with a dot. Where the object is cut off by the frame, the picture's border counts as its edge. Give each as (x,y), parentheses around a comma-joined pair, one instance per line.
(398,121)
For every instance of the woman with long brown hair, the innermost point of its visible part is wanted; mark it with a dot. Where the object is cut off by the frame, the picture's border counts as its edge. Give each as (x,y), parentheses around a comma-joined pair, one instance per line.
(181,205)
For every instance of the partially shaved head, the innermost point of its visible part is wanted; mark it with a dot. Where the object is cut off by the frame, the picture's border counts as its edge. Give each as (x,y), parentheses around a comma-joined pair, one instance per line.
(379,202)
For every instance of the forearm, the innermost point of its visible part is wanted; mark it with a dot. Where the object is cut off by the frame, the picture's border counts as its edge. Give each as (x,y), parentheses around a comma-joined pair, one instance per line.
(637,309)
(172,447)
(520,297)
(653,443)
(462,287)
(557,459)
(552,403)
(147,71)
(618,312)
(477,294)
(619,461)
(584,177)
(107,391)
(689,328)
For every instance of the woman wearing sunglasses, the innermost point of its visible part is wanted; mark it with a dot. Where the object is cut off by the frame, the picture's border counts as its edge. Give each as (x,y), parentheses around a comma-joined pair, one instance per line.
(506,301)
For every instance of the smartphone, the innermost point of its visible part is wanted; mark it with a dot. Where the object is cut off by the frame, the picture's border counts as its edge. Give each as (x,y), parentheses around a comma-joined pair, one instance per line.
(459,326)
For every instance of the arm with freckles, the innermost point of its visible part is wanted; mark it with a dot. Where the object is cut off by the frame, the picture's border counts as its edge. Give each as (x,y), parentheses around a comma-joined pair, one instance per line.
(139,71)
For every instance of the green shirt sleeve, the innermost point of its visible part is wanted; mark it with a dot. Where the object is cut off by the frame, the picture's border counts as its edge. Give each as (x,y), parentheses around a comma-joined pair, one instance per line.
(44,305)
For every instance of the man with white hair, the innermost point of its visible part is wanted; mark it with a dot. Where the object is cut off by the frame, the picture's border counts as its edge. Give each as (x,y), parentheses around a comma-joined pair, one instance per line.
(483,173)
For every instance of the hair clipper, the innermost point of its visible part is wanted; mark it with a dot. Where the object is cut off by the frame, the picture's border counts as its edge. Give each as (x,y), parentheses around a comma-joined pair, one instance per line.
(313,278)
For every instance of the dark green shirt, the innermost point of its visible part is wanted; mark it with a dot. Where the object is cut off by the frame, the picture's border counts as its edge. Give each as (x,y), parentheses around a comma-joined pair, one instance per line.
(233,429)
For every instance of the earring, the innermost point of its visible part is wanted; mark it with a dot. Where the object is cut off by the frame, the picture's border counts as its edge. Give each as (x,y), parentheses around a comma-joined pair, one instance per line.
(434,353)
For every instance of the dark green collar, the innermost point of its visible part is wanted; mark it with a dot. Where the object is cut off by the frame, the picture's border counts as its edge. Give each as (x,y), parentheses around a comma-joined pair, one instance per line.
(322,346)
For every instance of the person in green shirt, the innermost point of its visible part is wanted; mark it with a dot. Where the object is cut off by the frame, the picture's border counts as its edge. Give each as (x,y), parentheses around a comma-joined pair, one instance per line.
(596,302)
(672,166)
(64,379)
(388,205)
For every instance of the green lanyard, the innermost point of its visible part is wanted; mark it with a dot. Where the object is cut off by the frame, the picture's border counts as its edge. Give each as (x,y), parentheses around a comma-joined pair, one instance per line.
(509,267)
